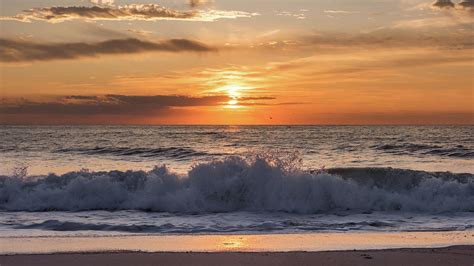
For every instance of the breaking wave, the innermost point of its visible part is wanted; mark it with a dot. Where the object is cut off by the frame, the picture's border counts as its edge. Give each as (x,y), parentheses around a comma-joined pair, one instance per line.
(262,183)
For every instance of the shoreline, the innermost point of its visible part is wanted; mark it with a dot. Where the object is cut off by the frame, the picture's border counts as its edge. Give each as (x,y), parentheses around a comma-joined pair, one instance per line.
(452,255)
(308,242)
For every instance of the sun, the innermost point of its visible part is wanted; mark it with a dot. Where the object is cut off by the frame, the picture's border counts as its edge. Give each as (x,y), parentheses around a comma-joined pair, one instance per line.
(233,102)
(234,91)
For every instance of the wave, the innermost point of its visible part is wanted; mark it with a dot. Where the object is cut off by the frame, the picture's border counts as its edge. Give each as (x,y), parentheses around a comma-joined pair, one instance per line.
(410,148)
(261,183)
(169,152)
(169,228)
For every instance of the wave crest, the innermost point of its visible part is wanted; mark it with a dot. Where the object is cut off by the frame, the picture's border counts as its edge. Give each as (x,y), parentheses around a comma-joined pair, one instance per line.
(261,183)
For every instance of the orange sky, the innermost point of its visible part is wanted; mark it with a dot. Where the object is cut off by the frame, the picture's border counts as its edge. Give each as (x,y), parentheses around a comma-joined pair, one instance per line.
(237,62)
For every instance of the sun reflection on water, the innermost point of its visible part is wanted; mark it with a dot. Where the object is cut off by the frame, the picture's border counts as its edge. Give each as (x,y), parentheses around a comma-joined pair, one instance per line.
(233,242)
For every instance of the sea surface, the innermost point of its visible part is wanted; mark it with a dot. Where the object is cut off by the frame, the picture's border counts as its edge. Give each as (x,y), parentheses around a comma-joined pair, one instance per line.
(122,180)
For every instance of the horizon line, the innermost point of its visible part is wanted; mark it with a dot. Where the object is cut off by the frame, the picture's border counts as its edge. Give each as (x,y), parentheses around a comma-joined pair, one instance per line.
(283,125)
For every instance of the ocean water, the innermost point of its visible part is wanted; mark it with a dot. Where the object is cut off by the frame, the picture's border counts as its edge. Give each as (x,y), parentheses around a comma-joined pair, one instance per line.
(114,180)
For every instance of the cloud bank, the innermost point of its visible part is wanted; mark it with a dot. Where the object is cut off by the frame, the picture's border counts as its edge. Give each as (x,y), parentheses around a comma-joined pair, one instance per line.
(26,51)
(91,105)
(146,12)
(107,105)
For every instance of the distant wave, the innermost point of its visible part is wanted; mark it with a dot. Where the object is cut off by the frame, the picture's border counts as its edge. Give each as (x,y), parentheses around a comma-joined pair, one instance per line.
(410,148)
(169,152)
(262,183)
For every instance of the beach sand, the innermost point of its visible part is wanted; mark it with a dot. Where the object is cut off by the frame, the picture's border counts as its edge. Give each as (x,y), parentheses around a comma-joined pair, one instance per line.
(455,255)
(368,248)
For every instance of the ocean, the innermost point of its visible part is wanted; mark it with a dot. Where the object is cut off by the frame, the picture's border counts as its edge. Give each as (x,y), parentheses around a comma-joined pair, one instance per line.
(154,180)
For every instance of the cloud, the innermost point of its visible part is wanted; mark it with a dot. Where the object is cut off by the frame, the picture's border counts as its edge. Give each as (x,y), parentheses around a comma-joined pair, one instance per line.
(401,35)
(256,98)
(25,51)
(465,7)
(339,12)
(298,15)
(91,105)
(456,14)
(269,33)
(363,69)
(376,61)
(80,97)
(140,32)
(448,4)
(146,12)
(468,7)
(197,3)
(467,4)
(443,4)
(436,22)
(108,104)
(102,2)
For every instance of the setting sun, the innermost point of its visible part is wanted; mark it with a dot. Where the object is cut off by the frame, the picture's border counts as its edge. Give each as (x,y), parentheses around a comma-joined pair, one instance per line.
(234,91)
(232,102)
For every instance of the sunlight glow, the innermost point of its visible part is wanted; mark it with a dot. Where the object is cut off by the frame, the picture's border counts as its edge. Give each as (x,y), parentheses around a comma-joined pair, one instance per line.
(232,102)
(234,91)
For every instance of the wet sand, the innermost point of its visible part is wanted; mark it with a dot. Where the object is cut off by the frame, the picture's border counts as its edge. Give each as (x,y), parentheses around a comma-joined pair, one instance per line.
(456,255)
(310,242)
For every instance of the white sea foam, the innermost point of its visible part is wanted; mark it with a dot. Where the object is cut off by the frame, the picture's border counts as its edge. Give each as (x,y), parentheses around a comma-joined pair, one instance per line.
(234,184)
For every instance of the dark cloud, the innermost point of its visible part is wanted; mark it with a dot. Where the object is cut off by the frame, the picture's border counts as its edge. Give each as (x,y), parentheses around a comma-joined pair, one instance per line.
(87,105)
(167,101)
(443,4)
(25,51)
(461,13)
(81,97)
(256,98)
(467,4)
(107,105)
(448,5)
(149,12)
(274,104)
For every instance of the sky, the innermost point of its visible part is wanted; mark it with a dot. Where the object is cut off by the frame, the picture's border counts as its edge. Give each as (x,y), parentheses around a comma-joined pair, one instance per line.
(236,62)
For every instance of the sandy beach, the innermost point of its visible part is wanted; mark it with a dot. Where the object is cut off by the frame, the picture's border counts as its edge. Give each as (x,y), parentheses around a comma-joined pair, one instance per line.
(401,248)
(456,255)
